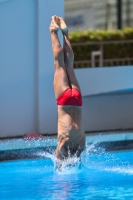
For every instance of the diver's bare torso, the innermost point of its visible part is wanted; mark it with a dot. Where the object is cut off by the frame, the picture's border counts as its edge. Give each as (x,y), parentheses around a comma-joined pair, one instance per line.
(71,136)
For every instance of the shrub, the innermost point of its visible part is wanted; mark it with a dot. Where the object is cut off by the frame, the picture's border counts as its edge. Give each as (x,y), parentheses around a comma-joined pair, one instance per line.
(110,51)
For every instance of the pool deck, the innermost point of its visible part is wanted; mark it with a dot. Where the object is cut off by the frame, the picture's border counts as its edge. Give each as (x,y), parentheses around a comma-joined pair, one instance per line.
(11,149)
(15,143)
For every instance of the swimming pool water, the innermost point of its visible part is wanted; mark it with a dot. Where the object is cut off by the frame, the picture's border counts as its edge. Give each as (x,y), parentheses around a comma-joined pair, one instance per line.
(101,176)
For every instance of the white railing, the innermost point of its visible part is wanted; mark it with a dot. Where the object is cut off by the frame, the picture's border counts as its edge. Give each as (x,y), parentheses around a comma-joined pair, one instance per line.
(93,62)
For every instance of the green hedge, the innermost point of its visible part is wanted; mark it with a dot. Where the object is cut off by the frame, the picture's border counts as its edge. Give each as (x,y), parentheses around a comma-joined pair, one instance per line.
(111,51)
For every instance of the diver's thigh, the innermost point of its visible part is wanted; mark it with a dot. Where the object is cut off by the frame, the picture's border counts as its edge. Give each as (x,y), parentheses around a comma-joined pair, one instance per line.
(60,81)
(72,78)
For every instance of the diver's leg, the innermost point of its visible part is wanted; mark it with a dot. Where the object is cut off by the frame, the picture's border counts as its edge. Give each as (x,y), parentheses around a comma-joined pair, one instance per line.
(69,60)
(60,77)
(68,56)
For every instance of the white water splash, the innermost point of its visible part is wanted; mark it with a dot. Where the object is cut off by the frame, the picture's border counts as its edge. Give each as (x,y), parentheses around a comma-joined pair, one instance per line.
(121,170)
(68,165)
(93,157)
(98,159)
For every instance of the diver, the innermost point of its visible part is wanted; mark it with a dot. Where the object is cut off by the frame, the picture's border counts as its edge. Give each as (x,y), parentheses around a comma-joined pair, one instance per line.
(71,136)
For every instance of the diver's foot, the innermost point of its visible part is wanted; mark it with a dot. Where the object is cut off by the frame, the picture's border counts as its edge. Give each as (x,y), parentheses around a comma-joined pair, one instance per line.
(54,26)
(63,25)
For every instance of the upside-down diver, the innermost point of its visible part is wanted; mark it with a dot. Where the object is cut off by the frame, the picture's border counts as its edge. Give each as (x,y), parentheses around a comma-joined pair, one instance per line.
(71,136)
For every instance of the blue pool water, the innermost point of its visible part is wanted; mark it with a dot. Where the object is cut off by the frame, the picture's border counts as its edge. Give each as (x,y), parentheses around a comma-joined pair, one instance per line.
(101,176)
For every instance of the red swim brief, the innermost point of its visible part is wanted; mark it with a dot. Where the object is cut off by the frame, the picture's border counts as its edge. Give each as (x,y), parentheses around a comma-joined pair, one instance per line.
(70,96)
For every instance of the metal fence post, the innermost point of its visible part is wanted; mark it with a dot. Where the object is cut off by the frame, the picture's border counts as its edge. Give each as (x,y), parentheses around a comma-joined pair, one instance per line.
(97,53)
